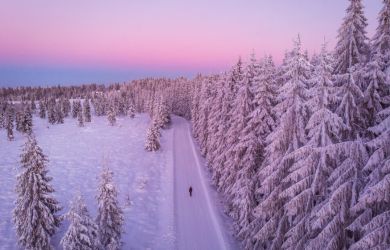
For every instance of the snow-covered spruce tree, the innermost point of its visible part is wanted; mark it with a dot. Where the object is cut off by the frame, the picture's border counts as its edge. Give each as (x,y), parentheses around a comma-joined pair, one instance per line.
(51,114)
(231,87)
(18,120)
(42,110)
(306,178)
(207,94)
(377,87)
(27,123)
(261,124)
(351,48)
(110,215)
(373,207)
(195,106)
(152,138)
(82,232)
(243,155)
(381,40)
(111,116)
(349,109)
(33,106)
(372,224)
(332,225)
(214,120)
(35,216)
(131,110)
(80,119)
(59,116)
(273,220)
(66,107)
(76,108)
(87,110)
(10,123)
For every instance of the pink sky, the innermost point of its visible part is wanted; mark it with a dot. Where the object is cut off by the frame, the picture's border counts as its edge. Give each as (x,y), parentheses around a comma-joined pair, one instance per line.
(163,35)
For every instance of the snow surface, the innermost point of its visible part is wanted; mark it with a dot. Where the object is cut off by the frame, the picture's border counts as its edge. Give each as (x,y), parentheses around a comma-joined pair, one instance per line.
(145,182)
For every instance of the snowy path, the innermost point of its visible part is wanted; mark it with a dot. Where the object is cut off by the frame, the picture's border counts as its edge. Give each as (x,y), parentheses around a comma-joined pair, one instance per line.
(198,225)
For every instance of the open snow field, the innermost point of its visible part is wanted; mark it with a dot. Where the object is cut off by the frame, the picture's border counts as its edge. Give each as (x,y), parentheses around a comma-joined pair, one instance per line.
(153,187)
(76,156)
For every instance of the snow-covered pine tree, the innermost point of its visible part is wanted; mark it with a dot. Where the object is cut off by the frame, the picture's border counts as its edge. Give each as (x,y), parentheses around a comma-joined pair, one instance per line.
(214,120)
(33,106)
(207,94)
(332,225)
(273,221)
(80,118)
(110,215)
(111,116)
(372,223)
(131,110)
(76,108)
(306,178)
(351,48)
(51,111)
(59,116)
(377,87)
(27,122)
(373,207)
(66,107)
(152,138)
(42,110)
(231,86)
(35,216)
(261,124)
(82,233)
(381,40)
(18,120)
(10,123)
(195,106)
(87,110)
(242,157)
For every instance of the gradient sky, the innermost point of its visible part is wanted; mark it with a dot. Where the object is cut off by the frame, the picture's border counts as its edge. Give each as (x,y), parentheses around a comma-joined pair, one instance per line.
(80,41)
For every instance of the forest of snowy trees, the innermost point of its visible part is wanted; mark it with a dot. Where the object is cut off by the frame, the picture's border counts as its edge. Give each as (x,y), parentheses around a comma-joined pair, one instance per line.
(307,158)
(300,151)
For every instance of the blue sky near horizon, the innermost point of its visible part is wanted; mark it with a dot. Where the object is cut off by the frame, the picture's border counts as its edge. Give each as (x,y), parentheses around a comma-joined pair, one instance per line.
(47,42)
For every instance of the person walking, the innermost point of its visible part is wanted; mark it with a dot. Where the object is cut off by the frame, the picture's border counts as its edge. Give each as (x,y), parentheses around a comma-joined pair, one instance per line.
(190,190)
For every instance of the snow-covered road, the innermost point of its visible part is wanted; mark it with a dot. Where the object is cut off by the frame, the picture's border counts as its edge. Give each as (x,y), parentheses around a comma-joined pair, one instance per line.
(198,224)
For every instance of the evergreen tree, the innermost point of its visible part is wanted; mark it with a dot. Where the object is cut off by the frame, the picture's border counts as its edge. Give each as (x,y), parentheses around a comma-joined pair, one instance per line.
(76,108)
(42,110)
(261,124)
(87,110)
(51,111)
(27,121)
(152,138)
(230,92)
(35,216)
(381,40)
(241,164)
(10,123)
(131,111)
(59,115)
(377,87)
(82,232)
(110,215)
(66,107)
(351,48)
(33,105)
(289,136)
(314,161)
(18,120)
(111,116)
(80,119)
